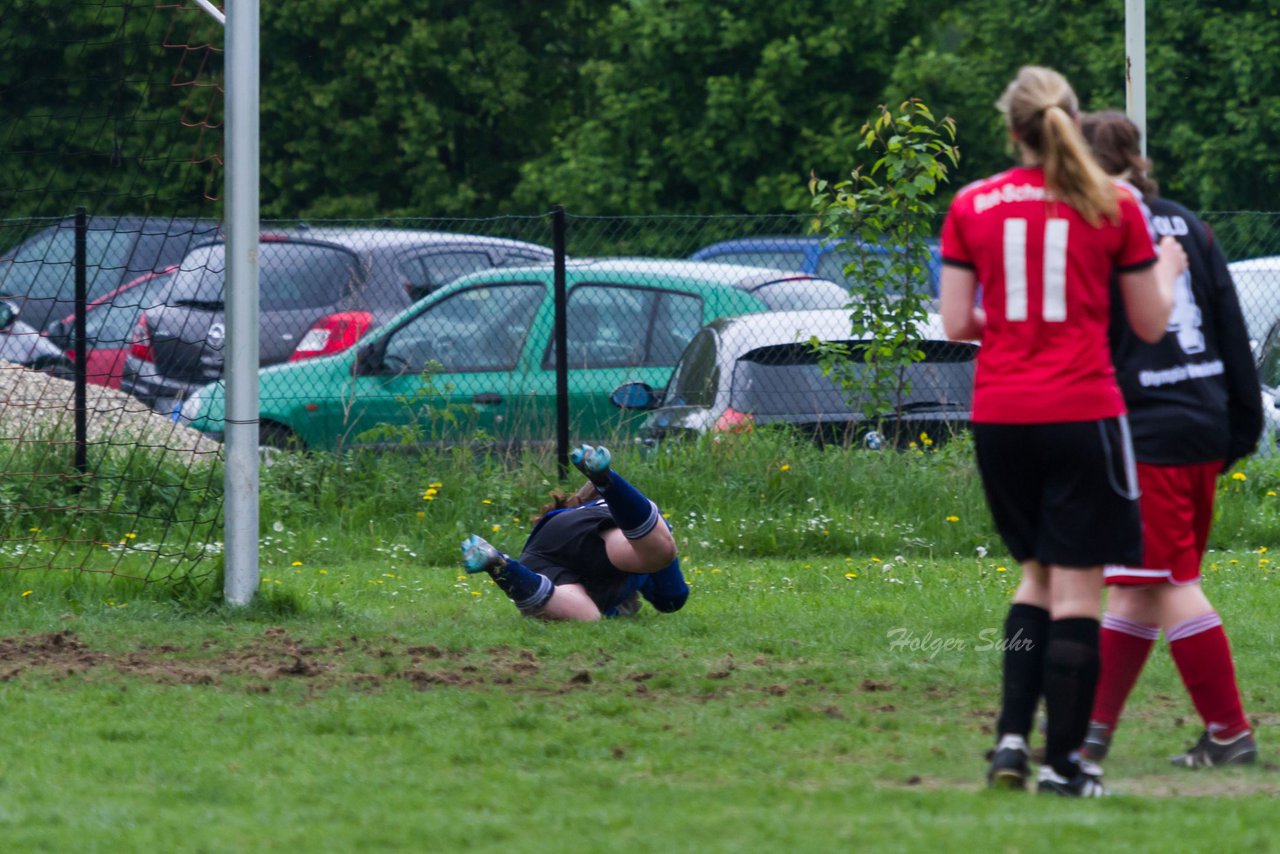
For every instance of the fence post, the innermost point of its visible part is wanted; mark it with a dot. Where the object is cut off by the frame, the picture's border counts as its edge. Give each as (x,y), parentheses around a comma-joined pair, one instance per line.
(81,346)
(561,343)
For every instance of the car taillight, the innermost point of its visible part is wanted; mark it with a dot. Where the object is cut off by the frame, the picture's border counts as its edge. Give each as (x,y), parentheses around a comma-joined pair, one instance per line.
(733,421)
(332,333)
(140,340)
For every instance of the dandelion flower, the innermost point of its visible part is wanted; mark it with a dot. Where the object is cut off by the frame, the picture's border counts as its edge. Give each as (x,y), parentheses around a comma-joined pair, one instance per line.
(324,572)
(1239,476)
(475,593)
(1001,569)
(485,501)
(421,514)
(435,485)
(131,536)
(496,528)
(26,593)
(851,575)
(784,467)
(953,518)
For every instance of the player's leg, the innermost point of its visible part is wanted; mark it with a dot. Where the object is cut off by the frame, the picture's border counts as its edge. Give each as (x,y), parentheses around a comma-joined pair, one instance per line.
(529,590)
(643,544)
(570,602)
(1200,649)
(1012,481)
(1129,630)
(1091,519)
(532,592)
(1026,627)
(1071,663)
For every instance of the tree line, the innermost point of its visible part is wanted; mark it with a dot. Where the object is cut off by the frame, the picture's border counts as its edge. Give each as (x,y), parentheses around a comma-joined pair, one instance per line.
(446,108)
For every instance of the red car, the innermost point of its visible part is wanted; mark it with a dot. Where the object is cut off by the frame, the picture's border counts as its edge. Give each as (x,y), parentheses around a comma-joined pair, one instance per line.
(109,320)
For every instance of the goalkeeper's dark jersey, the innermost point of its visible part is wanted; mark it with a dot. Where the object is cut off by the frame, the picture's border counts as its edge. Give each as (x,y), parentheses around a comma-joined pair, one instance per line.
(1193,397)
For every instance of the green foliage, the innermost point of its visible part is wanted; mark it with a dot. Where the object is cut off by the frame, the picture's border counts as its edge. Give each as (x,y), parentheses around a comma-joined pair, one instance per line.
(435,108)
(888,206)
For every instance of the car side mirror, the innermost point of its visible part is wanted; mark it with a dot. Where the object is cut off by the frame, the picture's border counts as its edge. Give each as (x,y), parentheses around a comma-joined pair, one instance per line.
(635,396)
(8,313)
(60,332)
(368,361)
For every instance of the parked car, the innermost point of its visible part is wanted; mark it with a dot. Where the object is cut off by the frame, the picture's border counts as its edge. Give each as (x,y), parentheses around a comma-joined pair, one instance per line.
(815,255)
(22,344)
(320,291)
(761,369)
(38,275)
(109,323)
(476,358)
(1257,282)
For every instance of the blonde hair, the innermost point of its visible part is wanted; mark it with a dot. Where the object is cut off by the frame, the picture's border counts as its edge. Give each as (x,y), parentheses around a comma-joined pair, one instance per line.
(1039,108)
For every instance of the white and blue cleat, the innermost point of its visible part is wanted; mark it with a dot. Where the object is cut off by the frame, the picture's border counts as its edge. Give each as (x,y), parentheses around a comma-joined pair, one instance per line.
(591,461)
(479,556)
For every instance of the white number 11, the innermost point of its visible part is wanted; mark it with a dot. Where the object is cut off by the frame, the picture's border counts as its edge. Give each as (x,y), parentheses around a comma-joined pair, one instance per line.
(1055,270)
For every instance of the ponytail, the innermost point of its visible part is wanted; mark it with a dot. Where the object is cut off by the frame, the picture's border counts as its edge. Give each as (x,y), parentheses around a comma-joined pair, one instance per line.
(1039,108)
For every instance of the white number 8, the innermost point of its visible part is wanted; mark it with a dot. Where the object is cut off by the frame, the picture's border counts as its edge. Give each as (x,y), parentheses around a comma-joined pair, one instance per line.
(1055,270)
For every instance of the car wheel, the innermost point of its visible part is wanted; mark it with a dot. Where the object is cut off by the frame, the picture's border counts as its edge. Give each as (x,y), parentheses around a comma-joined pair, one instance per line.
(276,439)
(58,366)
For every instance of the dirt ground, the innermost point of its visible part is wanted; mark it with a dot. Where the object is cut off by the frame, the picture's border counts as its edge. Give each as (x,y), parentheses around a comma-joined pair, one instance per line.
(264,662)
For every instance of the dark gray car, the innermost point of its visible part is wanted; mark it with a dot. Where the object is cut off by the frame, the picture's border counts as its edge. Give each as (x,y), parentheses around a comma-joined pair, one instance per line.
(38,275)
(320,291)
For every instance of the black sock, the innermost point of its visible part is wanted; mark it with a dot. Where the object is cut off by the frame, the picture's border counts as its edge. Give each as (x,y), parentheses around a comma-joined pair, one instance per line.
(1071,677)
(1026,633)
(528,589)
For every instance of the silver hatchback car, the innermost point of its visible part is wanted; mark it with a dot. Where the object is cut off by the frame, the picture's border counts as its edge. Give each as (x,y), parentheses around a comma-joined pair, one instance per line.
(743,372)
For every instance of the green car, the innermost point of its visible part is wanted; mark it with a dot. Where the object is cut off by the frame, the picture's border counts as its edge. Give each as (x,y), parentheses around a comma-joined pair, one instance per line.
(475,359)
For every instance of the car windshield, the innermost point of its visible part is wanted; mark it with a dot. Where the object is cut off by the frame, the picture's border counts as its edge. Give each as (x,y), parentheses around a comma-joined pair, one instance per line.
(788,294)
(787,380)
(43,267)
(291,275)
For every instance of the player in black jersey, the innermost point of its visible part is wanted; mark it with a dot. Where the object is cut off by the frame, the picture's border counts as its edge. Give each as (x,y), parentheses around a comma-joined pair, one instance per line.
(592,554)
(1195,408)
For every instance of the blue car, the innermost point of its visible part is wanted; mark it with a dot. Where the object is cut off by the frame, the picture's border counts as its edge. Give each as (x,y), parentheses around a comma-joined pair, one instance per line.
(816,256)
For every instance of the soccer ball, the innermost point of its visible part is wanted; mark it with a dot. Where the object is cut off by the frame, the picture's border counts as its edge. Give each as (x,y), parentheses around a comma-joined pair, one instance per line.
(873,441)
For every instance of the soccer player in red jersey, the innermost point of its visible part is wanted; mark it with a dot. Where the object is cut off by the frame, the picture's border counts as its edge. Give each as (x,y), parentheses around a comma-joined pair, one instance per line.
(1195,408)
(1043,241)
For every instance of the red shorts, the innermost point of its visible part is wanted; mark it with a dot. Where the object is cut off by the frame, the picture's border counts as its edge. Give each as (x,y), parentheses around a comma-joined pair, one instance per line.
(1177,510)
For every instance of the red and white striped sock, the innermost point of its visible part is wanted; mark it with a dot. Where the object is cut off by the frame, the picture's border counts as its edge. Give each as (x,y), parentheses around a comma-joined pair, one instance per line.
(1124,646)
(1200,650)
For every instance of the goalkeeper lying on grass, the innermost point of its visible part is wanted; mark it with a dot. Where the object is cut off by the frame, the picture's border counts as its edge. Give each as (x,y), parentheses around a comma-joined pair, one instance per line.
(590,554)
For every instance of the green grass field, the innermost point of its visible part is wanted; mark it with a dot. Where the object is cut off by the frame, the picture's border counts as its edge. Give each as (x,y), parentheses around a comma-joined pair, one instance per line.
(827,697)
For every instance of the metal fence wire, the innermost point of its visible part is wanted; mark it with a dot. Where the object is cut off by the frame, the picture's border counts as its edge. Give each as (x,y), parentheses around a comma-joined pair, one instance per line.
(401,333)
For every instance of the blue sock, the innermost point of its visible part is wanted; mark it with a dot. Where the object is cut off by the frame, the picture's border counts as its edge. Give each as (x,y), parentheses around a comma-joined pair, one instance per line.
(666,589)
(528,589)
(635,514)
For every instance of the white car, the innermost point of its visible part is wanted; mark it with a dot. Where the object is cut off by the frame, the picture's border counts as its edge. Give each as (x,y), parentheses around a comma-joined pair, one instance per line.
(748,371)
(1257,282)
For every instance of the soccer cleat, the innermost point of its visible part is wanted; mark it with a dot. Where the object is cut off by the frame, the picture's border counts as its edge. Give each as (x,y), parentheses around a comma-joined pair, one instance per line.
(479,556)
(1009,764)
(592,462)
(628,607)
(1086,783)
(1096,742)
(1209,752)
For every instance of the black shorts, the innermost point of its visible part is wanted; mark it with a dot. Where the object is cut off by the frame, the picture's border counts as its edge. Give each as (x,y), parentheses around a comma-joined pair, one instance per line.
(567,548)
(1064,494)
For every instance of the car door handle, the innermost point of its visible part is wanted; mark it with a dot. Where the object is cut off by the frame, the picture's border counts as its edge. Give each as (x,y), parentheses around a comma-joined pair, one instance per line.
(487,399)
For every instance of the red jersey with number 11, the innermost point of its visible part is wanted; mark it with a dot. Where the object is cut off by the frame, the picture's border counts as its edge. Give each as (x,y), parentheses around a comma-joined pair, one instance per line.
(1045,275)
